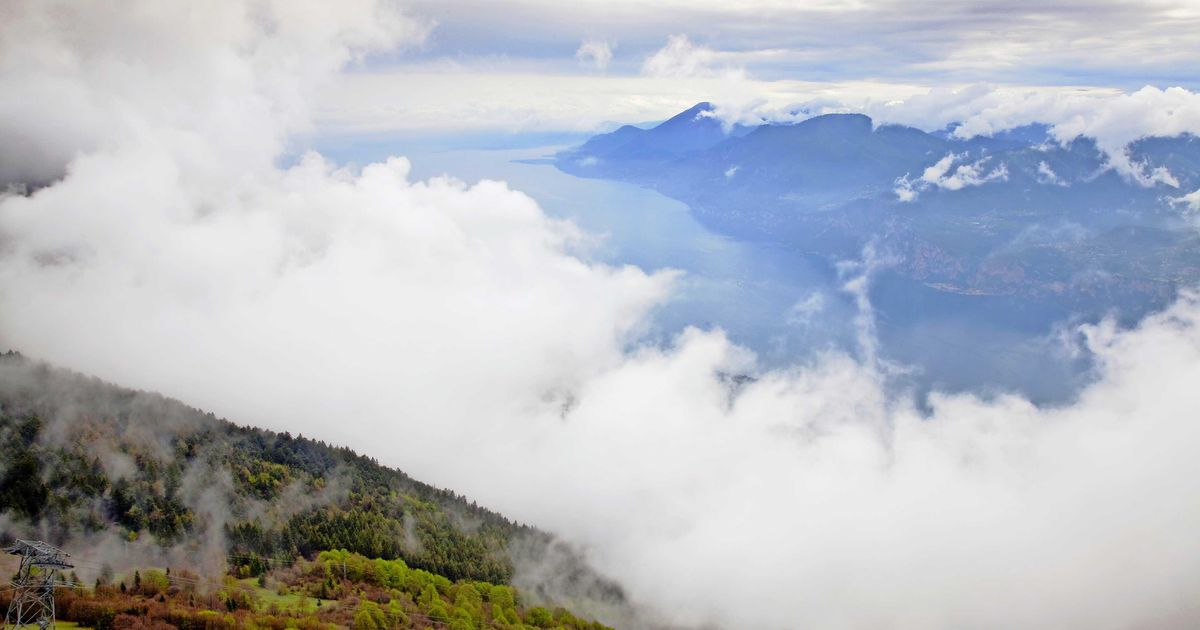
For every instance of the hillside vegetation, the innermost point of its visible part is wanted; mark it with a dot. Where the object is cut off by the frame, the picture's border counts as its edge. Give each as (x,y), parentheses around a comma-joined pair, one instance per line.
(340,589)
(128,479)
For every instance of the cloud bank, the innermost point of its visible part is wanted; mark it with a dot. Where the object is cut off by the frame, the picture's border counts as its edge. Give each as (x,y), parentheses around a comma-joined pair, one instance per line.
(923,41)
(458,332)
(374,103)
(1113,119)
(224,84)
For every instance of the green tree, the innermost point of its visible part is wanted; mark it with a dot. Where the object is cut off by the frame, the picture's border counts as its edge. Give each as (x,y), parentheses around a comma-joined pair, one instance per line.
(540,617)
(370,616)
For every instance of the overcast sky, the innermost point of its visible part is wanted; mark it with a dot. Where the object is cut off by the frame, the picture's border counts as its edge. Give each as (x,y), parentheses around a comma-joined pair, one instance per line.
(539,64)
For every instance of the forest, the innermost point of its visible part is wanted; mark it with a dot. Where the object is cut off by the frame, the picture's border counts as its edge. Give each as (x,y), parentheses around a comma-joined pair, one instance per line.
(131,482)
(339,588)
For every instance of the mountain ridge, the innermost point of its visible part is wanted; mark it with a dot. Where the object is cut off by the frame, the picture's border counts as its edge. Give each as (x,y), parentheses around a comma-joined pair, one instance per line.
(129,478)
(1013,214)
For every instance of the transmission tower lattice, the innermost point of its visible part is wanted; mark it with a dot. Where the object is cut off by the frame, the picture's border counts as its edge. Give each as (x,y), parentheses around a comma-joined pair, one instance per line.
(33,589)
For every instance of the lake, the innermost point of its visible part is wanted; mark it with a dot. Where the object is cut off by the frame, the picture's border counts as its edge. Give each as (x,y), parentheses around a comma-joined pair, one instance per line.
(778,302)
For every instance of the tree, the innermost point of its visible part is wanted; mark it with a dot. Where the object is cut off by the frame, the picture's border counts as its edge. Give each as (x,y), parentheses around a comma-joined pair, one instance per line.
(364,621)
(370,616)
(539,617)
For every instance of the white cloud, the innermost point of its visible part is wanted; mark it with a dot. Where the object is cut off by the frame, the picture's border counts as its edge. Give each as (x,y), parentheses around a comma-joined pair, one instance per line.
(443,328)
(680,58)
(814,481)
(75,78)
(184,232)
(803,311)
(972,175)
(917,40)
(904,189)
(375,103)
(1046,175)
(748,107)
(939,175)
(456,99)
(937,171)
(1190,200)
(595,53)
(1113,118)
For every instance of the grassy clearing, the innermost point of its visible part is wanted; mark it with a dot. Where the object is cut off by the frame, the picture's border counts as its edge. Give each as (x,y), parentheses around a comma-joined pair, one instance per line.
(286,603)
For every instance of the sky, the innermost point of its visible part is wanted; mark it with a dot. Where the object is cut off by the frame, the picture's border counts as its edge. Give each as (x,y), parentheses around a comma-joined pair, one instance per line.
(533,64)
(152,234)
(1058,42)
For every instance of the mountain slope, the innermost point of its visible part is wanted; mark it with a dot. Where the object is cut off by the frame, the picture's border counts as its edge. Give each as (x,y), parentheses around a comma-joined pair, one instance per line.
(1015,214)
(692,130)
(129,479)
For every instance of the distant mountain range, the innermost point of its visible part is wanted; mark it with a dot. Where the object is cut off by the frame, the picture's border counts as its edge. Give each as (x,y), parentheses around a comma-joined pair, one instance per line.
(1015,214)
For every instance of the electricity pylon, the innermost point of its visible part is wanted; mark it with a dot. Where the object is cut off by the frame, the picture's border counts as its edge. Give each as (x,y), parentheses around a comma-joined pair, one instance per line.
(33,589)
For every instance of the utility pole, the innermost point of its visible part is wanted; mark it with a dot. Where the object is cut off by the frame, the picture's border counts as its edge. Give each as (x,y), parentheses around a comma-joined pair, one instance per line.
(33,589)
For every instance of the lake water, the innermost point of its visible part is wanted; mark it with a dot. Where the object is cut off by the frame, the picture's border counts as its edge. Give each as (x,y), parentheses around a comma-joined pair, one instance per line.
(779,303)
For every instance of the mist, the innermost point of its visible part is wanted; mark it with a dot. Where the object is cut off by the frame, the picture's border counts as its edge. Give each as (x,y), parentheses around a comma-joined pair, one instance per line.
(459,333)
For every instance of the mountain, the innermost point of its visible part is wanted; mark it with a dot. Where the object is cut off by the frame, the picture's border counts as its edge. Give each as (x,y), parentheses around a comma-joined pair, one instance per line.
(123,479)
(1015,214)
(692,130)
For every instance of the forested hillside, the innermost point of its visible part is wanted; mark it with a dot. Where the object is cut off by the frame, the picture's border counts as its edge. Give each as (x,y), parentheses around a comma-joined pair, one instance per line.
(125,478)
(336,589)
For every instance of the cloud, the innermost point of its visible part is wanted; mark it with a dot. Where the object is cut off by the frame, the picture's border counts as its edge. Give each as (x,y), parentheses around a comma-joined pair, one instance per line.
(939,175)
(458,332)
(1046,175)
(904,190)
(937,171)
(802,311)
(970,175)
(457,99)
(187,232)
(370,103)
(680,58)
(814,481)
(1191,201)
(1113,119)
(918,41)
(242,75)
(595,53)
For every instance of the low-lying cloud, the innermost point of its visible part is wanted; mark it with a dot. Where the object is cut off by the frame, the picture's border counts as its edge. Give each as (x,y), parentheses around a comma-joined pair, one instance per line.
(460,333)
(940,175)
(1113,118)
